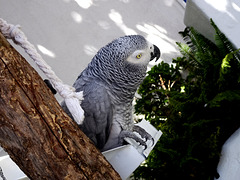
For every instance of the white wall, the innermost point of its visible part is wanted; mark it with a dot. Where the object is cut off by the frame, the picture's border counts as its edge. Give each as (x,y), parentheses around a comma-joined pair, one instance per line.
(229,165)
(225,13)
(69,32)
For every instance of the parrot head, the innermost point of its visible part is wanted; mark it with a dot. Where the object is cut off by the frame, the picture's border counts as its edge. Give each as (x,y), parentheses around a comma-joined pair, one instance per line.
(142,55)
(131,53)
(134,49)
(122,63)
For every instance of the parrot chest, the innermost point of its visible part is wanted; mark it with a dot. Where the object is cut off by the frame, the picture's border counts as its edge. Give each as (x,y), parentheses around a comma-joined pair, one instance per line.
(123,115)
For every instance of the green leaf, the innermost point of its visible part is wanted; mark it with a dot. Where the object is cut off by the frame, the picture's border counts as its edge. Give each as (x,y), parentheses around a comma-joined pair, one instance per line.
(197,114)
(226,61)
(229,96)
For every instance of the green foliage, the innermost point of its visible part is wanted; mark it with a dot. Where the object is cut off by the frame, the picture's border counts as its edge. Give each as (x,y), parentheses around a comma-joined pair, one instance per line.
(196,114)
(154,102)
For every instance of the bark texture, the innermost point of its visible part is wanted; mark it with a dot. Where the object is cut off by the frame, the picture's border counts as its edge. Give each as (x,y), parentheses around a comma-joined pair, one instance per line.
(43,141)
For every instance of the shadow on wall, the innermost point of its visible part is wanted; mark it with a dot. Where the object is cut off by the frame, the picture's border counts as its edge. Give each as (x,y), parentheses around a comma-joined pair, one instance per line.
(68,33)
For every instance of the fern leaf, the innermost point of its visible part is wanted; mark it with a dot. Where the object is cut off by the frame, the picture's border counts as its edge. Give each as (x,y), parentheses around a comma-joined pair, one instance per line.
(222,42)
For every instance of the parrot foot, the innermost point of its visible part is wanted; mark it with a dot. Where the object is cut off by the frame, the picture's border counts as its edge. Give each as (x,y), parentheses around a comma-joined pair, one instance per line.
(144,134)
(131,135)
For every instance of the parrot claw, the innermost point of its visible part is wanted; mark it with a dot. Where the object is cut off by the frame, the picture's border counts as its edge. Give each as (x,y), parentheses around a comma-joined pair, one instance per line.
(144,134)
(131,135)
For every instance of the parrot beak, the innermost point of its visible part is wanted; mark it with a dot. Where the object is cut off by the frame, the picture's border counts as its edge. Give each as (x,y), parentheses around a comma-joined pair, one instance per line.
(155,54)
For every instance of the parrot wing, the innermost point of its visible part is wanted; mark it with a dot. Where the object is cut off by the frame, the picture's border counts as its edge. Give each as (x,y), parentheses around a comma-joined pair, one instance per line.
(98,110)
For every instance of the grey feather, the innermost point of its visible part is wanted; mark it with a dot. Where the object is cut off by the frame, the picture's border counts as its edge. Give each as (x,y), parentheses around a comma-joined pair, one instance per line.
(109,84)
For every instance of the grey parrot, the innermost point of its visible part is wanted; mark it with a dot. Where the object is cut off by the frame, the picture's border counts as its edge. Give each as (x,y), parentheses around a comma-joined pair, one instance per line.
(109,84)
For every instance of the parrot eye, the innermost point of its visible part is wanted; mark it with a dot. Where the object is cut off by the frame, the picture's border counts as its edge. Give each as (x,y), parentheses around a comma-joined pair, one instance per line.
(139,56)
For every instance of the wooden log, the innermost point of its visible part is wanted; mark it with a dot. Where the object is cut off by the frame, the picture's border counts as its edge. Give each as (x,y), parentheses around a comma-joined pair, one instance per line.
(42,140)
